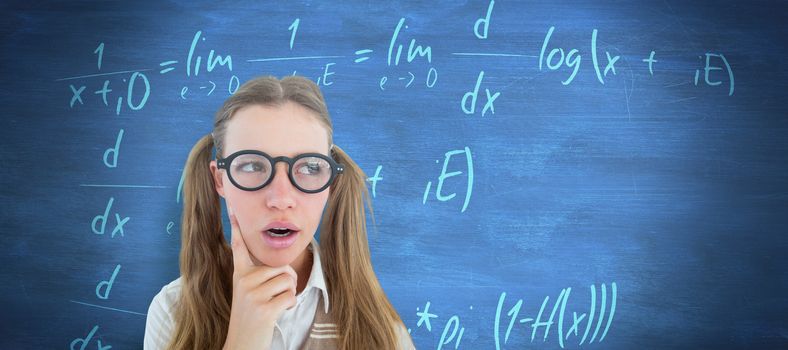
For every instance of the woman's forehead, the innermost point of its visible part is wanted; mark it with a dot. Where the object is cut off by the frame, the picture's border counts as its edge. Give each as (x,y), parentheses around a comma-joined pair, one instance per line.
(288,130)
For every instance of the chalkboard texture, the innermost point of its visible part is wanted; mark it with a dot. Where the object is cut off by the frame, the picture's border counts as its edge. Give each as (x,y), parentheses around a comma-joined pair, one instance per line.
(545,175)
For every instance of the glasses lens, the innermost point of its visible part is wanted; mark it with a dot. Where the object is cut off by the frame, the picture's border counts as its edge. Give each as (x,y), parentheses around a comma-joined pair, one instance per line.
(250,170)
(311,173)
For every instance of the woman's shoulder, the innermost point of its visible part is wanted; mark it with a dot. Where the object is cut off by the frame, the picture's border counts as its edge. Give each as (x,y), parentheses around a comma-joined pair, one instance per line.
(405,340)
(160,319)
(164,301)
(168,295)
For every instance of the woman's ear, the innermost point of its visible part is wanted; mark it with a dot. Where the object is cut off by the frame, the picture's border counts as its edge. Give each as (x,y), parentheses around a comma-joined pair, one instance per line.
(216,175)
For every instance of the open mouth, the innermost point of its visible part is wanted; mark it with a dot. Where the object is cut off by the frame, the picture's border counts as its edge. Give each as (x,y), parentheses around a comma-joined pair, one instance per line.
(275,232)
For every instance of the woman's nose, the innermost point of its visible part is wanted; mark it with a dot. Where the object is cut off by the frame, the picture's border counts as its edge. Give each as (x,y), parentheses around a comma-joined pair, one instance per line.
(281,192)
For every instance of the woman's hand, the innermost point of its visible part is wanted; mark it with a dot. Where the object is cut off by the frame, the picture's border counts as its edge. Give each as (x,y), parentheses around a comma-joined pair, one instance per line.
(260,295)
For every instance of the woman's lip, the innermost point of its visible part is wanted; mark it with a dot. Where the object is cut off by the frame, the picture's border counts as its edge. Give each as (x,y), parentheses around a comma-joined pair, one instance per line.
(280,242)
(281,224)
(293,231)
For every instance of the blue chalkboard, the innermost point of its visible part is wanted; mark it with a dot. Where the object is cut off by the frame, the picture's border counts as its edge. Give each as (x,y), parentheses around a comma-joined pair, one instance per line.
(603,175)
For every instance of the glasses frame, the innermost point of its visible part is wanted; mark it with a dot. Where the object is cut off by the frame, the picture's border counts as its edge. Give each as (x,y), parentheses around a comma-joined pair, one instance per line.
(336,168)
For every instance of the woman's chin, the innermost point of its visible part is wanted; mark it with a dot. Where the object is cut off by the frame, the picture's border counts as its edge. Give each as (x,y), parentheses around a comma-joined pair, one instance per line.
(275,259)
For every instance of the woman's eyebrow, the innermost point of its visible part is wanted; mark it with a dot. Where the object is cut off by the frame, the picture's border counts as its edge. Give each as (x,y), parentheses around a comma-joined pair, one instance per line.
(291,155)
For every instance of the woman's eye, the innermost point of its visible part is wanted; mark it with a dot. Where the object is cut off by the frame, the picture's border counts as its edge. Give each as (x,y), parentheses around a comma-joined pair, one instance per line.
(310,168)
(252,167)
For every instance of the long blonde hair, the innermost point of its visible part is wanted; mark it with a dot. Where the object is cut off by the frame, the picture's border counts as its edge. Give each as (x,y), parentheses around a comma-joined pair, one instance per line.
(358,304)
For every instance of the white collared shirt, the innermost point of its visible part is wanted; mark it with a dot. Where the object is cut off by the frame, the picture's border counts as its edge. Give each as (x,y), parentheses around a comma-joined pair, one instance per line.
(292,327)
(290,330)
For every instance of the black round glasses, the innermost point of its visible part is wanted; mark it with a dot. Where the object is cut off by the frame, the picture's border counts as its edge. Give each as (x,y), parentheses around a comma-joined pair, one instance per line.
(251,170)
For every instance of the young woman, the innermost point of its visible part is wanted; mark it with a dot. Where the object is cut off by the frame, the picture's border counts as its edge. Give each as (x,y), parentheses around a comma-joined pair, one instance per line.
(274,287)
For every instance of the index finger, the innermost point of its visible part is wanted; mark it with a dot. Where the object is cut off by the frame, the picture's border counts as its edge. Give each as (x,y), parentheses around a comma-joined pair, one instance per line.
(241,259)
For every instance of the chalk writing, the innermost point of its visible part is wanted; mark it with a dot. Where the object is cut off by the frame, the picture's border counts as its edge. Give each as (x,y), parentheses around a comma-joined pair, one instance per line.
(708,67)
(472,95)
(83,342)
(509,319)
(484,23)
(102,218)
(444,175)
(374,179)
(294,28)
(559,306)
(104,294)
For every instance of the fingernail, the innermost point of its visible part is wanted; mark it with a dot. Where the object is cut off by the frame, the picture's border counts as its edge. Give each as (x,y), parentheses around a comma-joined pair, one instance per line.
(229,210)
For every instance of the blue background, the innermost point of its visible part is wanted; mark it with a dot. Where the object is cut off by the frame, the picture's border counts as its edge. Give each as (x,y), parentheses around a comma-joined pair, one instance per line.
(673,193)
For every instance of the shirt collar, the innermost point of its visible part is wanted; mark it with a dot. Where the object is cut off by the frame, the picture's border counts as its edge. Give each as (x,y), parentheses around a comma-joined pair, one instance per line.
(316,278)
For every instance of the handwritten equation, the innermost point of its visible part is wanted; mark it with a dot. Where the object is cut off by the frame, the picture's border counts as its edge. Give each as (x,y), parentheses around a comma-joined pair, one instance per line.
(511,320)
(714,68)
